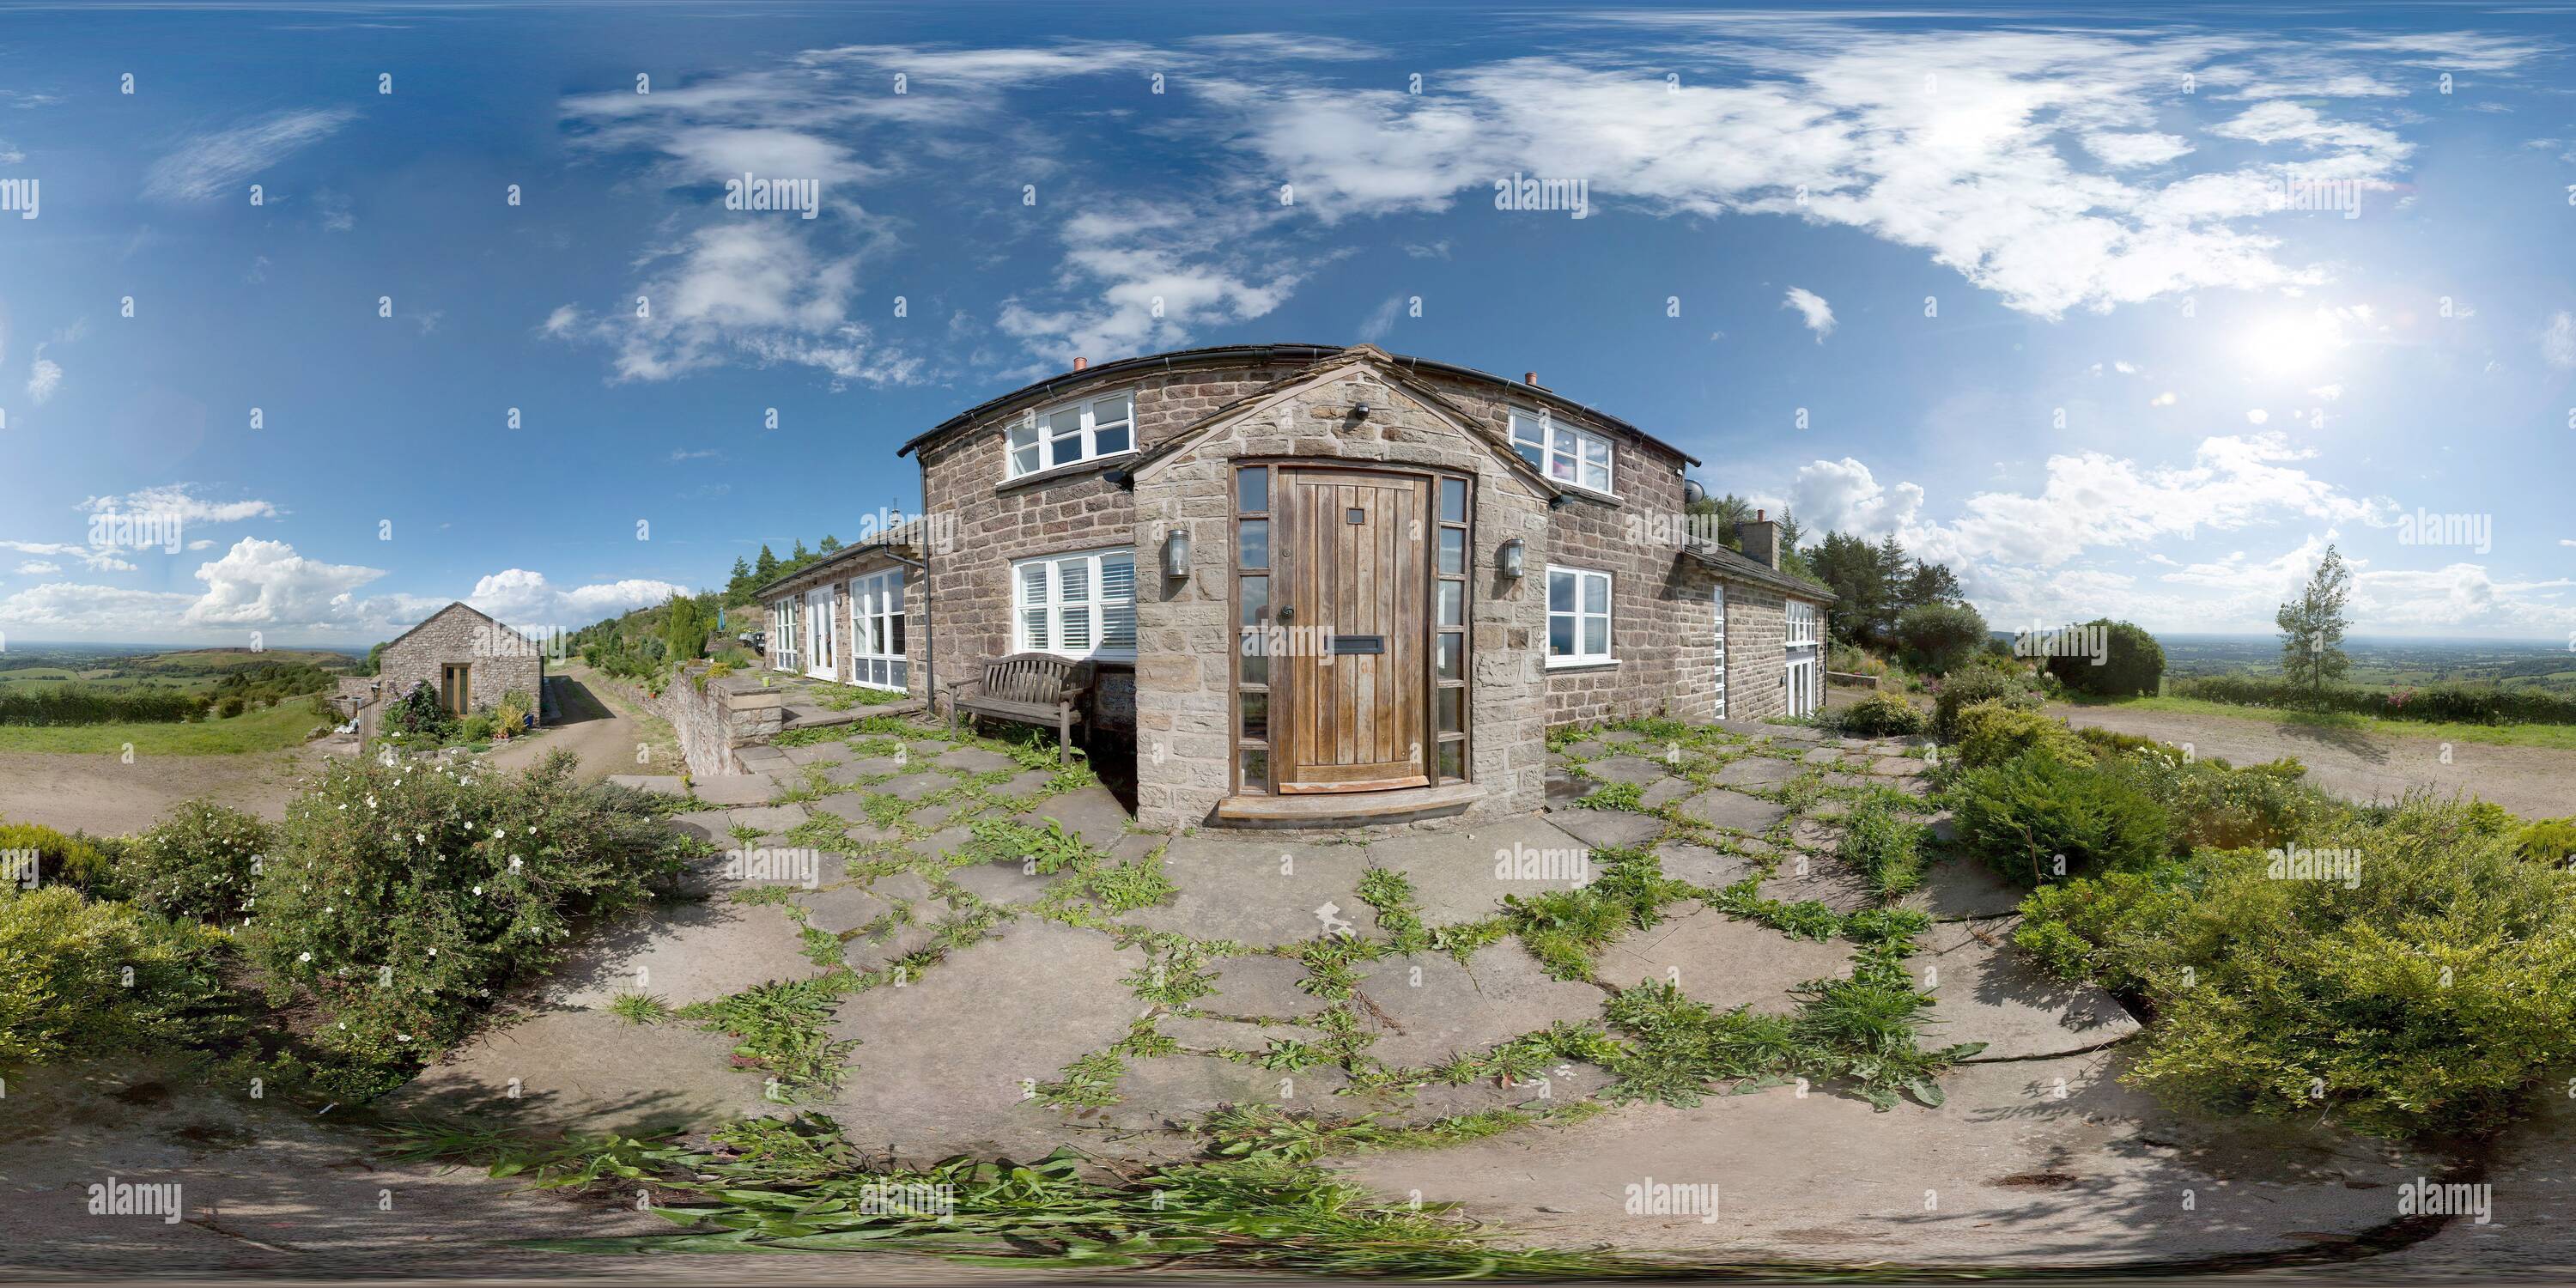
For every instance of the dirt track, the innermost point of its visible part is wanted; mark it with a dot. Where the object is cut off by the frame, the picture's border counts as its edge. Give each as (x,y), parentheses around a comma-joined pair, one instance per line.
(2535,782)
(103,796)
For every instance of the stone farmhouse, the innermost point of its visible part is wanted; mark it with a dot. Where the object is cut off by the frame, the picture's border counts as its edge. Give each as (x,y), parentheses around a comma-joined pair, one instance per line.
(470,660)
(1320,586)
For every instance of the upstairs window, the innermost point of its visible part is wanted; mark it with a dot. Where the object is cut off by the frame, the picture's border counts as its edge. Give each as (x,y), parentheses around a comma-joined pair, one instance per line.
(1560,451)
(1074,433)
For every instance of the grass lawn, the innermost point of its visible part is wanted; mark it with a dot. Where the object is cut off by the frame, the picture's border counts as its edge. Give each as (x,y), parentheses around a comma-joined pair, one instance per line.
(283,725)
(2558,737)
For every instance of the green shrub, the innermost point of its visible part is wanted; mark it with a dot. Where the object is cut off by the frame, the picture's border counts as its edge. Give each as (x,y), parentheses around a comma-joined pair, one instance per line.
(2548,840)
(2431,997)
(75,861)
(414,716)
(2218,806)
(1991,733)
(476,727)
(2132,662)
(1880,715)
(404,897)
(231,706)
(64,993)
(2027,814)
(198,862)
(1885,845)
(2108,742)
(1971,686)
(1937,638)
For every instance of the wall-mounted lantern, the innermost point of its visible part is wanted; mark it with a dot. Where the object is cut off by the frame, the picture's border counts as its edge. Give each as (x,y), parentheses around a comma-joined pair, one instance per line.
(1509,558)
(1176,553)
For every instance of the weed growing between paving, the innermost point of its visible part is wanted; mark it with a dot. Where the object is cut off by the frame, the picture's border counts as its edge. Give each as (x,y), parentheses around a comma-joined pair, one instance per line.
(1257,1202)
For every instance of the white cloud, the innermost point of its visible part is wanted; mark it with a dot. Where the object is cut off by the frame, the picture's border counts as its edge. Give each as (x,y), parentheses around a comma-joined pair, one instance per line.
(757,293)
(2129,150)
(265,583)
(2558,341)
(37,568)
(1843,496)
(524,598)
(704,453)
(218,164)
(2257,416)
(1381,320)
(1143,276)
(182,500)
(44,377)
(2326,393)
(1811,307)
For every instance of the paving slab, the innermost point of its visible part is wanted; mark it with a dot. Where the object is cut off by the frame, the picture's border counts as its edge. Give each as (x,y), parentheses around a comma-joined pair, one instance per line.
(1898,767)
(1090,813)
(2531,1231)
(769,820)
(1627,769)
(1003,882)
(842,908)
(941,1067)
(1822,756)
(1666,791)
(1802,878)
(974,760)
(1463,874)
(1955,888)
(851,771)
(761,759)
(1722,961)
(671,783)
(1208,1033)
(1174,1091)
(682,953)
(1702,866)
(1428,1008)
(1606,829)
(1563,786)
(1985,990)
(737,789)
(1260,986)
(945,844)
(2040,1164)
(705,824)
(1235,889)
(883,949)
(591,1071)
(913,786)
(1734,811)
(1559,1085)
(1757,771)
(819,753)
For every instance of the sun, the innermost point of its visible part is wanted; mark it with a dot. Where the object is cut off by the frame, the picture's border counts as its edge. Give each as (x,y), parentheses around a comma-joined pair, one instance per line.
(2291,344)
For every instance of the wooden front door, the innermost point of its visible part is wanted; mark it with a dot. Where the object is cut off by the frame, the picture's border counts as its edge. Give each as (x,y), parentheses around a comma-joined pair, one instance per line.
(455,688)
(1354,581)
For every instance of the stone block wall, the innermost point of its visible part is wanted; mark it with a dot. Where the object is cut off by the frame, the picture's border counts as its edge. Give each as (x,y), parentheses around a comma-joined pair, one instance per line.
(1186,638)
(501,660)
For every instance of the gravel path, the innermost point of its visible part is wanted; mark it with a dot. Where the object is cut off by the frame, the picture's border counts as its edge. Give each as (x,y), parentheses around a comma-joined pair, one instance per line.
(2535,782)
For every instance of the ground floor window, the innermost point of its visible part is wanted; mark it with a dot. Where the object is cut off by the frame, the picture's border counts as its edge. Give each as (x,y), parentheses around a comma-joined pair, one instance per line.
(783,626)
(1578,616)
(1079,605)
(876,631)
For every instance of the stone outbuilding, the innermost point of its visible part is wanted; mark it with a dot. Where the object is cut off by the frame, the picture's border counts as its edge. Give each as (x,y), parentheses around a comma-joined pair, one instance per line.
(466,657)
(1319,585)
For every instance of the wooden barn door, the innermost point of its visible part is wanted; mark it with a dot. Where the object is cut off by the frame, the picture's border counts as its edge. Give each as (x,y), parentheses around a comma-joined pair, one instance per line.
(1353,584)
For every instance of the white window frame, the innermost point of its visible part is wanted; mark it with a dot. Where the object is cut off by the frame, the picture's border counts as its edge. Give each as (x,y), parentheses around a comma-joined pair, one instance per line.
(875,605)
(783,626)
(823,635)
(1801,626)
(1717,595)
(1034,435)
(1554,440)
(1607,616)
(1094,603)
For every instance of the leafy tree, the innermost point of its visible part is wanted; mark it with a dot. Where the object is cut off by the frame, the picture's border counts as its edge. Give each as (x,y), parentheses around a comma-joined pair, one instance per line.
(800,554)
(684,627)
(2133,662)
(1937,637)
(2312,626)
(767,568)
(375,661)
(830,544)
(1930,584)
(1853,569)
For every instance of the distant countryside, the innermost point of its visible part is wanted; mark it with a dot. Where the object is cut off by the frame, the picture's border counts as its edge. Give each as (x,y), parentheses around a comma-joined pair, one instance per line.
(98,698)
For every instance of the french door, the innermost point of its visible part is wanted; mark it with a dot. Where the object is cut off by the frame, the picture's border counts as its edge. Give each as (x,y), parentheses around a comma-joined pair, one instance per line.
(819,637)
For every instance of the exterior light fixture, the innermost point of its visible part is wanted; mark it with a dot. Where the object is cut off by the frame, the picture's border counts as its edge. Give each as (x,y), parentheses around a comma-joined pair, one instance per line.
(1359,411)
(1176,553)
(1510,557)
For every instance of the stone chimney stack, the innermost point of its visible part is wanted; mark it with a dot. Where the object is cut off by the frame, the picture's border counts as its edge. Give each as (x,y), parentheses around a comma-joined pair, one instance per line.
(1761,538)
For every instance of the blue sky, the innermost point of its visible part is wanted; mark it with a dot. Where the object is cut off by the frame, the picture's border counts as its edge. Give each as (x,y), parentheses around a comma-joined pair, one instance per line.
(2051,290)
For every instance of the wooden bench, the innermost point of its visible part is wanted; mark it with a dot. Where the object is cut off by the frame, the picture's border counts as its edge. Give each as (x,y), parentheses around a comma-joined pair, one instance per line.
(1032,688)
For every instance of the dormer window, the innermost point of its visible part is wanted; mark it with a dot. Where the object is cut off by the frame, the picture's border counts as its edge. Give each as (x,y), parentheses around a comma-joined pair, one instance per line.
(1074,433)
(1560,451)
